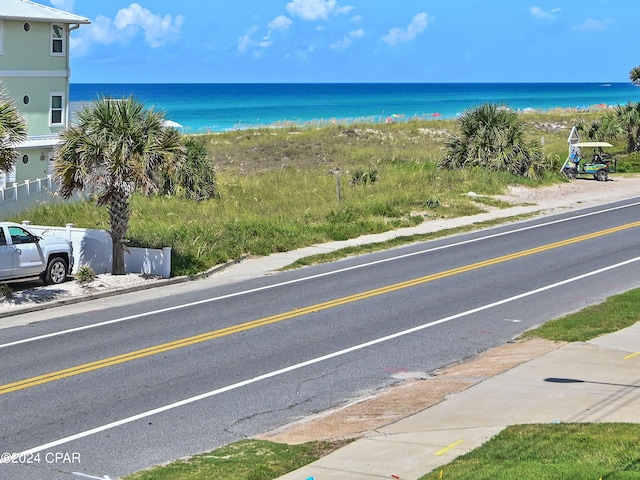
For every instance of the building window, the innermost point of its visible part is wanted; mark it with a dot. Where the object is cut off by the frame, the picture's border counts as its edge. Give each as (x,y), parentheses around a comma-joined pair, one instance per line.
(26,26)
(26,99)
(57,109)
(25,159)
(57,39)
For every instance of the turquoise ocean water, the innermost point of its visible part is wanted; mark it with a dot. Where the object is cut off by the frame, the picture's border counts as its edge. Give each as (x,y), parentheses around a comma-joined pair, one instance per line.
(219,107)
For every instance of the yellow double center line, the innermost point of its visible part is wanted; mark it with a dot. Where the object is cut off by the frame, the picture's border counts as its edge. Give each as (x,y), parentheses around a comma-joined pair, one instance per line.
(185,342)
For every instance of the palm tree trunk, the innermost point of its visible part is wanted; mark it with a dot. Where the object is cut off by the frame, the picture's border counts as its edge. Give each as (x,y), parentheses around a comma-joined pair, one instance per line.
(119,213)
(631,143)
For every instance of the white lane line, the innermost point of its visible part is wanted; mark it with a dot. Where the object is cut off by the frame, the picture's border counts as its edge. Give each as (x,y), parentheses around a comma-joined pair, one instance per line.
(304,279)
(80,474)
(313,361)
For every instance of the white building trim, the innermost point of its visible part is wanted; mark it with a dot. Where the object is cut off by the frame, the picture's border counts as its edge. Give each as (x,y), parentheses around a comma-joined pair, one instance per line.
(31,11)
(39,141)
(34,73)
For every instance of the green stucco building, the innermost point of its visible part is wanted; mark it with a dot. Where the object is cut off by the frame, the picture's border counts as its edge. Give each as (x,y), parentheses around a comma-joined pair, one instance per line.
(34,70)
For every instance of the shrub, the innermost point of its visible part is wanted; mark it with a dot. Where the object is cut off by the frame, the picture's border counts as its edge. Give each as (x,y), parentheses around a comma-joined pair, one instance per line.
(432,202)
(5,291)
(195,178)
(85,275)
(361,177)
(493,137)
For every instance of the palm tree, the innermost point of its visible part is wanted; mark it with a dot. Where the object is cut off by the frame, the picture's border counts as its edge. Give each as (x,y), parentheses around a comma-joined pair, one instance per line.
(634,75)
(13,131)
(492,137)
(628,117)
(195,178)
(604,129)
(116,148)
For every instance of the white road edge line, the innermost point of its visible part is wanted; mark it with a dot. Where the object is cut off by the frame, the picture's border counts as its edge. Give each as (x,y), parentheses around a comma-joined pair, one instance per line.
(298,366)
(303,279)
(80,474)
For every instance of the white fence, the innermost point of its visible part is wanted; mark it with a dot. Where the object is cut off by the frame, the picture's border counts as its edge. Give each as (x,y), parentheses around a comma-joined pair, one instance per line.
(21,196)
(93,248)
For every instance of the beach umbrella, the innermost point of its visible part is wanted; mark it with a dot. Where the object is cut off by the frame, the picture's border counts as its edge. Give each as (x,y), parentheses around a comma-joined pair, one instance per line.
(171,124)
(437,114)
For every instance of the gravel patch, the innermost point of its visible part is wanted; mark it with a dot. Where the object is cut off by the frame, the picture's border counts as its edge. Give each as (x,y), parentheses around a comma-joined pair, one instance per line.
(24,294)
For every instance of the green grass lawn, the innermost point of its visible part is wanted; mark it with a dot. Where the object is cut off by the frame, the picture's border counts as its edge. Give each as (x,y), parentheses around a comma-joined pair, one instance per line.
(551,452)
(246,460)
(618,312)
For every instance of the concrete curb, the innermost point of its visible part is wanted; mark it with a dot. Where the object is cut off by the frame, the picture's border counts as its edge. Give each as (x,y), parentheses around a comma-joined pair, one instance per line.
(119,291)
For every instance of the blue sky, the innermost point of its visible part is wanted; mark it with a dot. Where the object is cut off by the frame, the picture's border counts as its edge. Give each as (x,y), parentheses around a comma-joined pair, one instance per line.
(253,41)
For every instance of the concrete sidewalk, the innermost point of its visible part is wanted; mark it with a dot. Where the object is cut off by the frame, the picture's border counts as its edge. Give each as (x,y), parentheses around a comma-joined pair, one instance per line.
(596,381)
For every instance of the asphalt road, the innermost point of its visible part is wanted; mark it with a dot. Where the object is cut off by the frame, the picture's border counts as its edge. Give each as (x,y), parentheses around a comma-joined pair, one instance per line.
(173,375)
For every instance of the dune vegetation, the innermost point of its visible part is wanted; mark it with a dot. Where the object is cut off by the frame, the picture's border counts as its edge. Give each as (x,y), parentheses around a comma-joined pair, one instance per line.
(285,188)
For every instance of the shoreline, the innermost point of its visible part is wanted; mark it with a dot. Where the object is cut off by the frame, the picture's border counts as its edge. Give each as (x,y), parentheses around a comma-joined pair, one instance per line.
(385,119)
(203,108)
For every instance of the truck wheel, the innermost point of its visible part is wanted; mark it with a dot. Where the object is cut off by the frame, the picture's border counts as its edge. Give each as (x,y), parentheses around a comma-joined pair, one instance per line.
(601,175)
(56,271)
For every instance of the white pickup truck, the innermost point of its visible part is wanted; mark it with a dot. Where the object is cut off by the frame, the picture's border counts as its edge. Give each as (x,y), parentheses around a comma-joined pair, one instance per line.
(26,256)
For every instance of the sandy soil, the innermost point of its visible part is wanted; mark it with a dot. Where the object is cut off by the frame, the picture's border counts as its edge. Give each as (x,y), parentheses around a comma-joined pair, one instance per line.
(391,404)
(24,294)
(578,193)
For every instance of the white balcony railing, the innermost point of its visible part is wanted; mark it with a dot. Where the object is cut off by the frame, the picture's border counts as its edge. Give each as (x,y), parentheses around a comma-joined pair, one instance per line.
(20,196)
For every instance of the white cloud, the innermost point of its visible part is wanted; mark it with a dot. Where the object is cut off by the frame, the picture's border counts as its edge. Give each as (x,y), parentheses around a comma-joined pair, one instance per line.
(157,30)
(591,25)
(280,23)
(537,12)
(128,22)
(245,41)
(316,9)
(101,30)
(303,54)
(346,42)
(305,10)
(66,5)
(402,35)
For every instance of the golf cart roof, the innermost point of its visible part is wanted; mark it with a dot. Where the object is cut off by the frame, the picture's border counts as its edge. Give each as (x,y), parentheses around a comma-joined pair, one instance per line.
(592,144)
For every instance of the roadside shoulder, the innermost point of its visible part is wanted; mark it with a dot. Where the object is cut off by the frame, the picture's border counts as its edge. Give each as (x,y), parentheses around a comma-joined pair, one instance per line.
(383,408)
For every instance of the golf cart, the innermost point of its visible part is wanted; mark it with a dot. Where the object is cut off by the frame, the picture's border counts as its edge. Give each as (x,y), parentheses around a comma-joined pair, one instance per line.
(596,163)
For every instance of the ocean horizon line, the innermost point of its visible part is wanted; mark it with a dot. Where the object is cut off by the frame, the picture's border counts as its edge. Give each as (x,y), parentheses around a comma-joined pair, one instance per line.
(604,83)
(207,107)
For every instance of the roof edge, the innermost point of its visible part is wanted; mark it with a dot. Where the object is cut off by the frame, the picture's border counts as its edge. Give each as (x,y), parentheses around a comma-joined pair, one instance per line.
(45,13)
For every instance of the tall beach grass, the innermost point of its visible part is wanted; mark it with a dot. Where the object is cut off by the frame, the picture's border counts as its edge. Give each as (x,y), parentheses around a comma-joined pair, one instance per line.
(286,188)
